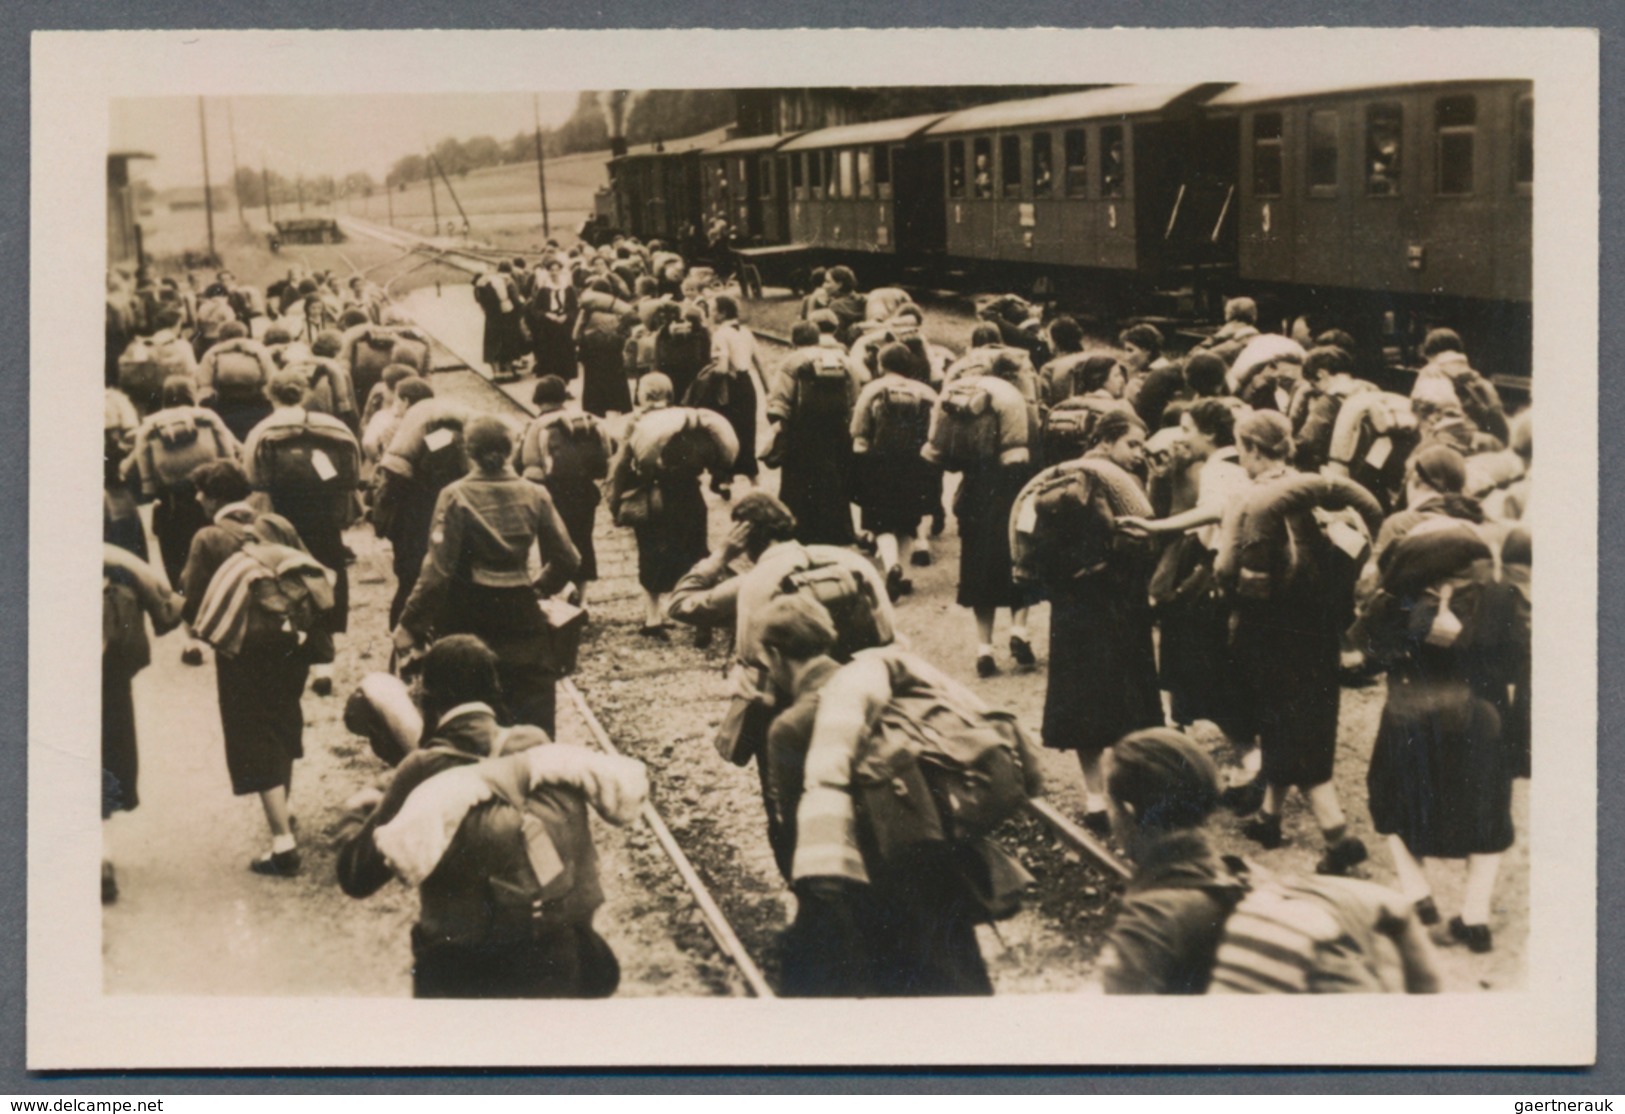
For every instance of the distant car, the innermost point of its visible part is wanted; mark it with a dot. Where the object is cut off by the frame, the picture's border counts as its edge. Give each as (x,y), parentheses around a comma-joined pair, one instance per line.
(307,230)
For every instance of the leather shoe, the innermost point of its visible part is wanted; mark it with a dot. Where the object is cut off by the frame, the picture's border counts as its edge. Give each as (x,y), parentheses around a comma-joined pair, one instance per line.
(1346,852)
(986,666)
(1265,831)
(920,558)
(192,655)
(279,864)
(1427,912)
(1475,936)
(1243,799)
(1098,823)
(1022,651)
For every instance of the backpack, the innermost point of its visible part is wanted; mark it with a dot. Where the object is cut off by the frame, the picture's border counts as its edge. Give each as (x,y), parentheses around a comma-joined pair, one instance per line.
(1303,936)
(238,375)
(262,589)
(849,598)
(141,375)
(575,449)
(1069,426)
(1057,532)
(976,762)
(178,441)
(967,434)
(900,423)
(311,471)
(823,398)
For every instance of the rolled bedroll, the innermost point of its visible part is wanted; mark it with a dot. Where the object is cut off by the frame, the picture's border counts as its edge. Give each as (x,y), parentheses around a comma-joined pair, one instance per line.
(681,439)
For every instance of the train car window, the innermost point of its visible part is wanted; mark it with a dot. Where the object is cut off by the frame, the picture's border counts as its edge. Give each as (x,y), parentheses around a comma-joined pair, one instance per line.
(982,170)
(866,173)
(1456,124)
(1267,166)
(815,173)
(882,156)
(956,168)
(1077,162)
(1523,153)
(798,178)
(764,174)
(1010,166)
(847,183)
(1043,166)
(1323,153)
(1384,129)
(1113,162)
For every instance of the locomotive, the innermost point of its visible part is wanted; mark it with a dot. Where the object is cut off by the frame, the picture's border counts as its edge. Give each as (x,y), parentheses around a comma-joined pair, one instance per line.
(1379,209)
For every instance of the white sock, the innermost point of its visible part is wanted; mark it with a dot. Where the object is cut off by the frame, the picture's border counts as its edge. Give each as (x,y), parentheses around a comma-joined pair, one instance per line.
(1475,902)
(984,649)
(282,844)
(1094,802)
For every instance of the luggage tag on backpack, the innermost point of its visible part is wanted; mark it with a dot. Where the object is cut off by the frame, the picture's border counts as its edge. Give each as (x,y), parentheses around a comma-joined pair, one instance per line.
(1345,537)
(1446,627)
(1381,450)
(438,439)
(1027,517)
(323,466)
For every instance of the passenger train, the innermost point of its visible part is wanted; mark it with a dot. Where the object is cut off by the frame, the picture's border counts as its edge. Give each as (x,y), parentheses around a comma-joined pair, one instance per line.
(1381,209)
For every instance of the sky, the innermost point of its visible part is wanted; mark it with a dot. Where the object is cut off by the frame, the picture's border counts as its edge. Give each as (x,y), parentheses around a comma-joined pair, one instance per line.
(295,135)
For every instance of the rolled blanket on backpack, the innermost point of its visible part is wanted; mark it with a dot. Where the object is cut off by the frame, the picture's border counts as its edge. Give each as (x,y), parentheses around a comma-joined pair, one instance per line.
(1431,553)
(1260,352)
(654,432)
(1262,533)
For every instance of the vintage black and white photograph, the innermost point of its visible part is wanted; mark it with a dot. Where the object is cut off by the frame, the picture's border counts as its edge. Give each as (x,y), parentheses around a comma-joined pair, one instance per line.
(818,552)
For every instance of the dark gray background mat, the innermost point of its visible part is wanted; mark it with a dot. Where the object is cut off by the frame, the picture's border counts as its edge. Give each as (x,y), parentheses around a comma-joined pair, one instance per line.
(20,17)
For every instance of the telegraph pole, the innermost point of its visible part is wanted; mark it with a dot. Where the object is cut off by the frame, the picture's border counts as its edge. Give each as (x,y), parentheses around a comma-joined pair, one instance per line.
(389,201)
(541,176)
(236,181)
(265,184)
(208,193)
(434,200)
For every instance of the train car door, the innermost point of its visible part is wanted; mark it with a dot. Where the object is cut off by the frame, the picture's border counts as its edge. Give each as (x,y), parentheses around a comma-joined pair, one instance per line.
(1323,233)
(1267,225)
(1460,237)
(1386,181)
(1115,233)
(921,204)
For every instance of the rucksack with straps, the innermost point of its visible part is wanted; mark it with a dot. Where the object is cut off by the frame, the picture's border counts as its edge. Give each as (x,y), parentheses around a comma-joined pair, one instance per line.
(141,375)
(900,423)
(1071,424)
(260,590)
(848,596)
(575,448)
(967,433)
(239,376)
(1303,523)
(823,397)
(177,442)
(1061,524)
(310,470)
(1306,936)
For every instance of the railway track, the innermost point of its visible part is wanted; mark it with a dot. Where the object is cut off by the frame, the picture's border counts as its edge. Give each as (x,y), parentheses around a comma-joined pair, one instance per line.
(742,922)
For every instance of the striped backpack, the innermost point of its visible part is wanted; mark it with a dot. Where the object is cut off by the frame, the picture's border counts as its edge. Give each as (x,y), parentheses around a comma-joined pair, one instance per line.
(1306,936)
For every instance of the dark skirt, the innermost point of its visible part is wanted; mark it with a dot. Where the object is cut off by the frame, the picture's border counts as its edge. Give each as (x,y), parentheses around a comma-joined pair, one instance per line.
(119,755)
(264,725)
(740,414)
(554,349)
(675,539)
(176,517)
(910,933)
(1284,658)
(1194,662)
(562,961)
(1440,776)
(1102,669)
(986,495)
(814,487)
(895,493)
(504,340)
(511,623)
(577,504)
(603,375)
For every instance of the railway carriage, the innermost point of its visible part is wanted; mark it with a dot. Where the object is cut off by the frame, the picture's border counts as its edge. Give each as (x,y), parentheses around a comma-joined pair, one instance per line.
(743,185)
(851,187)
(656,194)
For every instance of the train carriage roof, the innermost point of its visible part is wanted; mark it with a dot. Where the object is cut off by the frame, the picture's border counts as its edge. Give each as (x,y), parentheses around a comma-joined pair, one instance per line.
(748,143)
(1259,92)
(1111,101)
(679,146)
(860,135)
